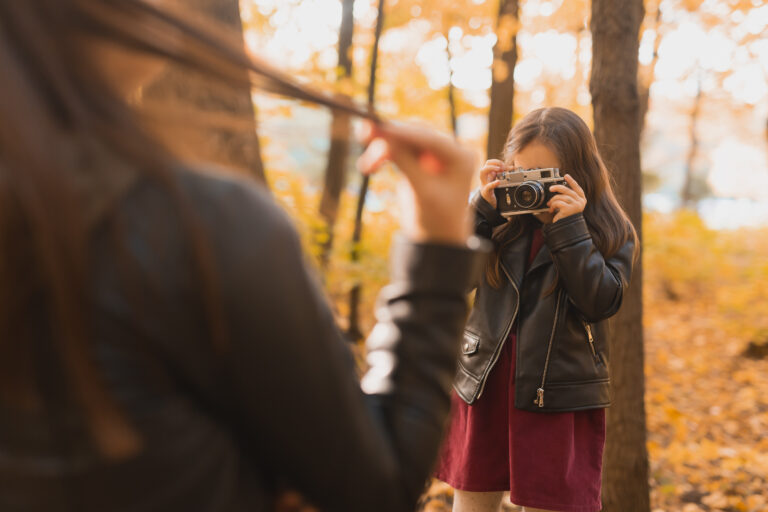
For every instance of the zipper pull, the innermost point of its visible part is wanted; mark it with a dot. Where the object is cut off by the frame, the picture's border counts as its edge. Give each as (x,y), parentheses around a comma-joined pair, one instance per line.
(539,397)
(595,356)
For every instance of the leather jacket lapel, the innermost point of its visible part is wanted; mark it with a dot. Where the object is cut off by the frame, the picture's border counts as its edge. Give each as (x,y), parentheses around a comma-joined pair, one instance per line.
(514,258)
(542,258)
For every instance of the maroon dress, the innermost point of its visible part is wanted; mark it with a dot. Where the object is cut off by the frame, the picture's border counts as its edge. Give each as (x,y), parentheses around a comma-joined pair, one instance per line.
(545,460)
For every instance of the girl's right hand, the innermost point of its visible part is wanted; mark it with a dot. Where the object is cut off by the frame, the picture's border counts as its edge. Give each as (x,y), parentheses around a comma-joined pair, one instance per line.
(488,180)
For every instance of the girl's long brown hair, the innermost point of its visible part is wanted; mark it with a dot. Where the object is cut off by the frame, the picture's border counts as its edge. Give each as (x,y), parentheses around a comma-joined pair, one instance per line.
(57,111)
(568,136)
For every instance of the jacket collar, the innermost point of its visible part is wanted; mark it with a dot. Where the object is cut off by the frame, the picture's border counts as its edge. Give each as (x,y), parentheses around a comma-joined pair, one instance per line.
(515,258)
(542,258)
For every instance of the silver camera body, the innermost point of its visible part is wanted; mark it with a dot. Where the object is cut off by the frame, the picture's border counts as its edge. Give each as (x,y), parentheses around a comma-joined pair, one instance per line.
(526,190)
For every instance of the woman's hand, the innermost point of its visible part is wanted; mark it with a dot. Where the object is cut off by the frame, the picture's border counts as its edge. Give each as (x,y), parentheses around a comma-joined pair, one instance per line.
(438,171)
(291,501)
(568,201)
(488,180)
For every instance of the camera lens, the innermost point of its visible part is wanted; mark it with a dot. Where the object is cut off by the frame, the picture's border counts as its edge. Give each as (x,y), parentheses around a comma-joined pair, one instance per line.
(529,195)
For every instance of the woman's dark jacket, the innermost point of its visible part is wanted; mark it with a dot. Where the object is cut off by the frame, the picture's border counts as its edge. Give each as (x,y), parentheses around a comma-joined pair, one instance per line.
(278,405)
(562,350)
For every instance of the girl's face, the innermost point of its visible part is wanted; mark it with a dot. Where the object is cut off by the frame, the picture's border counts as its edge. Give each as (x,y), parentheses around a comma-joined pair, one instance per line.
(534,156)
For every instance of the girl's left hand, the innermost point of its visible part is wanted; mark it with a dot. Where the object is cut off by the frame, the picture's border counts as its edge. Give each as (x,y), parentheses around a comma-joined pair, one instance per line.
(568,201)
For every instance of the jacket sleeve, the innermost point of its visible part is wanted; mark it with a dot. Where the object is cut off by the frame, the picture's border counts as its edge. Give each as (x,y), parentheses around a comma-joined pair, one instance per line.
(309,422)
(594,284)
(486,216)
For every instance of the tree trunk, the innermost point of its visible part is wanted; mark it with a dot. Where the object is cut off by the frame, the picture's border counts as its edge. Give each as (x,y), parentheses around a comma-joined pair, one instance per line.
(451,89)
(647,74)
(503,84)
(613,83)
(688,195)
(336,169)
(354,332)
(234,144)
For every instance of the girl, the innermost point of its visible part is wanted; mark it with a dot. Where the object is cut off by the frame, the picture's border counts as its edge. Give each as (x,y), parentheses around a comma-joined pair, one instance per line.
(532,383)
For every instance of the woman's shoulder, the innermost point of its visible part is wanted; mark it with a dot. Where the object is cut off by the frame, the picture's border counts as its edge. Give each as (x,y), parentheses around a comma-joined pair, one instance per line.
(218,195)
(235,216)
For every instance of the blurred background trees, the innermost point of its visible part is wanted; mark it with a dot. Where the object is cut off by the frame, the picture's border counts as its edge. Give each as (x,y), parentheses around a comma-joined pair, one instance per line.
(229,137)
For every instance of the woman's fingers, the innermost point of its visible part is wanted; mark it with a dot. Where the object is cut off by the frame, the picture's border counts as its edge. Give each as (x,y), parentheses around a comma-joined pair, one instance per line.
(381,150)
(410,145)
(415,149)
(418,137)
(291,501)
(374,156)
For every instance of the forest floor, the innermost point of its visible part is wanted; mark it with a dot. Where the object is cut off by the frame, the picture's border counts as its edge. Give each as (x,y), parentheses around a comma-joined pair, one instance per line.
(707,413)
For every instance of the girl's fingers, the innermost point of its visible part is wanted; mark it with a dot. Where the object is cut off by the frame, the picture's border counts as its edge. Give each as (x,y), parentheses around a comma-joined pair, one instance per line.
(487,176)
(487,192)
(566,199)
(574,185)
(491,185)
(489,170)
(563,190)
(558,204)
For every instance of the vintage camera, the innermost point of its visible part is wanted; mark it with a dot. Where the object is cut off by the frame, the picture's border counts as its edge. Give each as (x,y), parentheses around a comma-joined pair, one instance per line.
(526,190)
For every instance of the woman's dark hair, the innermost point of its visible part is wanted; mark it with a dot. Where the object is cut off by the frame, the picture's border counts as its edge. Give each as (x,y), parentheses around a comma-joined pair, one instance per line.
(570,139)
(57,112)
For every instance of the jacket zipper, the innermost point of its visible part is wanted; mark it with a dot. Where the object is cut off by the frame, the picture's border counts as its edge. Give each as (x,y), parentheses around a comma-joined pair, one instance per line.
(540,392)
(506,331)
(588,328)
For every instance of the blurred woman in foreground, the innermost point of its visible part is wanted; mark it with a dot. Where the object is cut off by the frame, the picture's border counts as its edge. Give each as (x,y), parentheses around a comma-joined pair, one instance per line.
(162,345)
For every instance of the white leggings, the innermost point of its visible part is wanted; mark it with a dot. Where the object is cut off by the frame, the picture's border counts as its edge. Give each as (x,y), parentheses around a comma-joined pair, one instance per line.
(465,501)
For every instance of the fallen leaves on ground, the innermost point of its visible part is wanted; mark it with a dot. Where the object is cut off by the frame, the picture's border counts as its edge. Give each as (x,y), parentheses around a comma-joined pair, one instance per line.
(706,323)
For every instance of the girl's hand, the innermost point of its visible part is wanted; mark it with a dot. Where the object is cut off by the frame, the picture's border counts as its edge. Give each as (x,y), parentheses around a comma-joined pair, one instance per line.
(488,180)
(438,171)
(568,201)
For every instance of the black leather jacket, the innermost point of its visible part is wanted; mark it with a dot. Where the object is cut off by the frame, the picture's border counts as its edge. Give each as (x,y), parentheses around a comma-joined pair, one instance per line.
(562,352)
(280,405)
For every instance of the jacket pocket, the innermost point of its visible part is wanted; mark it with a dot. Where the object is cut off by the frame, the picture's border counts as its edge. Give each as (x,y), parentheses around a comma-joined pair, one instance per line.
(470,343)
